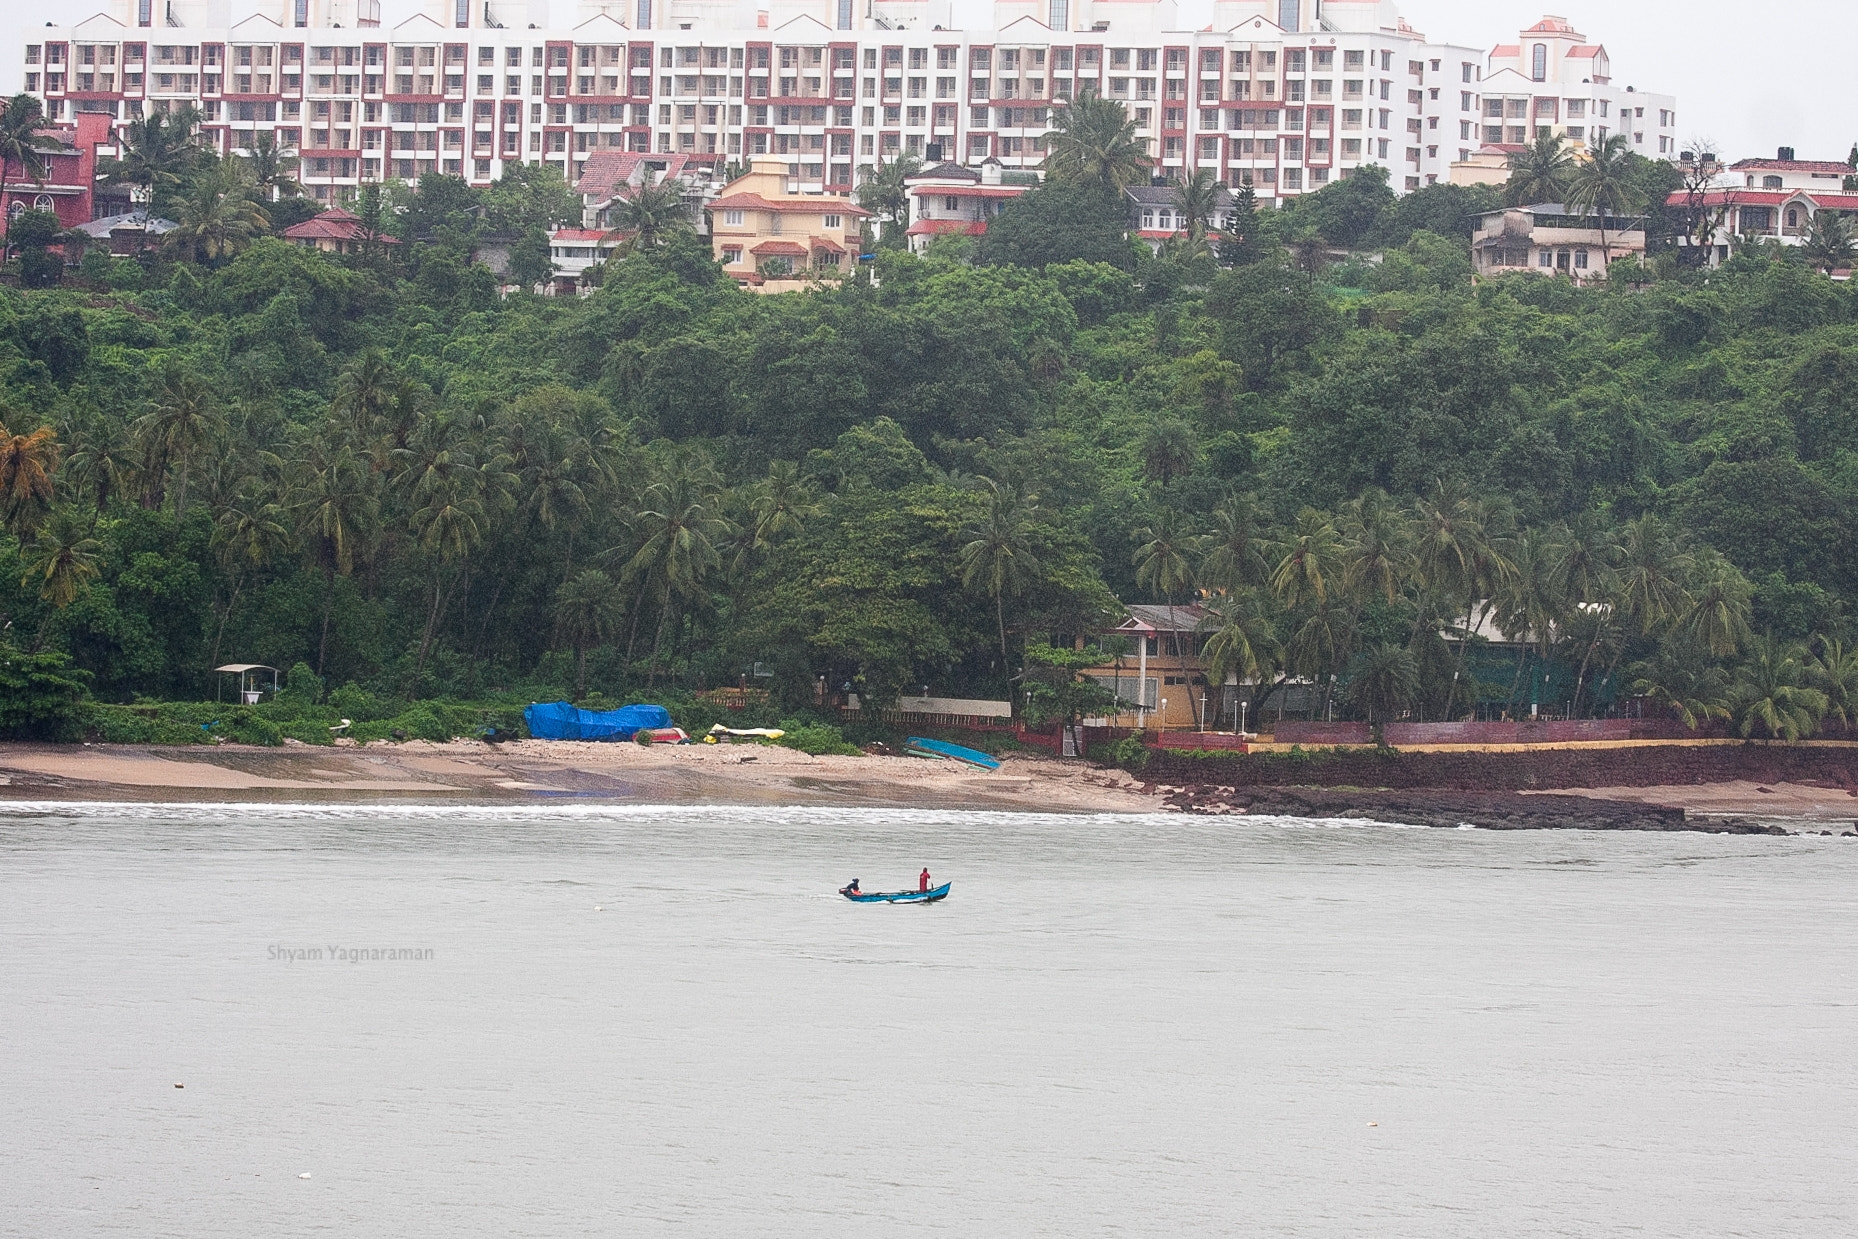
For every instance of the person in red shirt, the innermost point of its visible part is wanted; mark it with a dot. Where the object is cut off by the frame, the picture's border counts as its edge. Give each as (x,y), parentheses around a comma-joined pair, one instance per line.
(922,883)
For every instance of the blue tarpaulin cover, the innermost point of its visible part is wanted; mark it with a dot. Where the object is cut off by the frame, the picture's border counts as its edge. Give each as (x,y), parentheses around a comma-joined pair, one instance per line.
(558,720)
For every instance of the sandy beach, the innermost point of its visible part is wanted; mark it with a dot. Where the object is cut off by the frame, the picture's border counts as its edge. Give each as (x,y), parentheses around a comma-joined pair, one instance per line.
(536,771)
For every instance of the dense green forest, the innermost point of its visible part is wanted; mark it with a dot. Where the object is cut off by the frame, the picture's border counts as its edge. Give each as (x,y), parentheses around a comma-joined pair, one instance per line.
(380,468)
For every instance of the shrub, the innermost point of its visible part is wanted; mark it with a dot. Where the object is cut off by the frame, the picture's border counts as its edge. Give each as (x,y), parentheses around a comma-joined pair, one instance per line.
(39,695)
(302,686)
(351,701)
(819,739)
(1129,753)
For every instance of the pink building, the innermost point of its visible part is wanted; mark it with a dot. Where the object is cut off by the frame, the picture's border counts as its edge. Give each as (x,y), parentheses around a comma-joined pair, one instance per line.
(70,173)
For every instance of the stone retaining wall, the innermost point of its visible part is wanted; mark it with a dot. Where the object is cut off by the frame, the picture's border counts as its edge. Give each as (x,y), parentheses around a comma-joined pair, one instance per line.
(1647,766)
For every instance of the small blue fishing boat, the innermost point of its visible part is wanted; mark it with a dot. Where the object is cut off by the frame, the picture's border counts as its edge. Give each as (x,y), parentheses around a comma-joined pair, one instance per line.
(931,895)
(922,746)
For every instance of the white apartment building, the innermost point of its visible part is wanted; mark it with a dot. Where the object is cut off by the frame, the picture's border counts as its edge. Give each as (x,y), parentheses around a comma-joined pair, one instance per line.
(1285,95)
(1552,80)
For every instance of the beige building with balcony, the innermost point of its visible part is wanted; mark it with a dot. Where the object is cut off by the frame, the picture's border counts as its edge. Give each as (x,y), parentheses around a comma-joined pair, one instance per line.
(1549,239)
(770,237)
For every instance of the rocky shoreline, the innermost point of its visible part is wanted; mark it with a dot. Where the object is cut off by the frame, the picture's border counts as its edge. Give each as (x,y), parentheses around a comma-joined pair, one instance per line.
(1447,808)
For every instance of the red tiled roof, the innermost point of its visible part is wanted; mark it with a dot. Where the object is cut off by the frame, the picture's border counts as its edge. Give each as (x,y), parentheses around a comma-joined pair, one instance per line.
(1791,165)
(946,227)
(607,172)
(578,234)
(1767,197)
(1506,49)
(1551,25)
(1585,50)
(827,244)
(747,201)
(335,224)
(780,249)
(972,191)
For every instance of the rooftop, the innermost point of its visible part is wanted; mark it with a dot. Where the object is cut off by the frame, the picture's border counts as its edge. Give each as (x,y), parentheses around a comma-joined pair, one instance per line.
(1146,618)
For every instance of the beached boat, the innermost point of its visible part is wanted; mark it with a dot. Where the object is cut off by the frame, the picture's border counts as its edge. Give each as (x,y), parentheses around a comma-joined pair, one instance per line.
(931,895)
(922,746)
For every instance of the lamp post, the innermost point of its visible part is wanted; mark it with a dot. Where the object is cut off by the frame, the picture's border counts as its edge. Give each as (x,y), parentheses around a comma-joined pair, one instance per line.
(1164,714)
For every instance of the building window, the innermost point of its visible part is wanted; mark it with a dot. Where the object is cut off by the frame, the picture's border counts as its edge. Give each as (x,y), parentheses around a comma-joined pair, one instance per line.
(732,218)
(845,14)
(1546,258)
(461,17)
(1538,62)
(145,12)
(300,13)
(1058,15)
(1288,15)
(1580,259)
(732,254)
(834,221)
(645,14)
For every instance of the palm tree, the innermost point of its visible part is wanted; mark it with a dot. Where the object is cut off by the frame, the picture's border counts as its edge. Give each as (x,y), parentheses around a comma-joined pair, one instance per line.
(1830,246)
(1457,553)
(1684,681)
(647,217)
(1717,615)
(156,151)
(1243,641)
(884,190)
(272,169)
(1542,172)
(1235,547)
(1771,694)
(587,613)
(679,527)
(183,420)
(248,534)
(781,502)
(1168,449)
(332,493)
(1164,566)
(1529,605)
(1196,200)
(1651,573)
(1603,186)
(1833,670)
(998,553)
(1383,680)
(102,461)
(27,465)
(450,523)
(365,391)
(1377,558)
(63,559)
(1094,140)
(1309,567)
(219,218)
(21,145)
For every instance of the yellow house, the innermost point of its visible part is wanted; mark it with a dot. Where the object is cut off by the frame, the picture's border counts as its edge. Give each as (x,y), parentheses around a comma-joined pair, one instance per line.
(772,239)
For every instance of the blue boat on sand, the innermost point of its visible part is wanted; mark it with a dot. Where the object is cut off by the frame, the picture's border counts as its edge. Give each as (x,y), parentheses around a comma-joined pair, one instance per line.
(931,895)
(922,746)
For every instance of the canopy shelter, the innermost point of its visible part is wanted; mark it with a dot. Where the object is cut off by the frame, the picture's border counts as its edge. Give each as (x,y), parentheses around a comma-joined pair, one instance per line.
(251,681)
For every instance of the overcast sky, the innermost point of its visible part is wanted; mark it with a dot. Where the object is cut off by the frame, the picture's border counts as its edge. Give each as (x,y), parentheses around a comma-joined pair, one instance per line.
(1746,80)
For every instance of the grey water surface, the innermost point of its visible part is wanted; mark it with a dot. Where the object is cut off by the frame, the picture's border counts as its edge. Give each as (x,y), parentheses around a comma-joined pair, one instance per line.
(586,1020)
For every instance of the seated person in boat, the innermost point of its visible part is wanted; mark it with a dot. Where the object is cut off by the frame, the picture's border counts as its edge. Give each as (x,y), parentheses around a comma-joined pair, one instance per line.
(851,889)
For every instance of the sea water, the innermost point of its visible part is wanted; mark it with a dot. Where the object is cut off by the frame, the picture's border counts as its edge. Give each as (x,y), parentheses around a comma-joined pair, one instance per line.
(570,1021)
